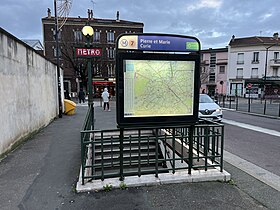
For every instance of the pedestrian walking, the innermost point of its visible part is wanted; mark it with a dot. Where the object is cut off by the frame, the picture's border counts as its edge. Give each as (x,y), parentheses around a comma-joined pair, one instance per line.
(81,96)
(105,96)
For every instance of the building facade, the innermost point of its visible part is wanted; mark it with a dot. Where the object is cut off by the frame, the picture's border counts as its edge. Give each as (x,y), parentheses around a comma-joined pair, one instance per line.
(70,36)
(253,67)
(214,71)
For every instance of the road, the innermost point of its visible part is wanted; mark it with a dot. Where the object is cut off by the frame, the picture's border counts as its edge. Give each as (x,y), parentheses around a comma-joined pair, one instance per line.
(257,140)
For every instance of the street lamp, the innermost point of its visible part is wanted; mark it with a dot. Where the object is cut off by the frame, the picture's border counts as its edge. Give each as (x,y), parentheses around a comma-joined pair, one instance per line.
(88,33)
(265,73)
(57,62)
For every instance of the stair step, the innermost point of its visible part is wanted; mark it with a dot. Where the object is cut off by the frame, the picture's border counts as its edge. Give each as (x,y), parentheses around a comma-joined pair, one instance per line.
(115,165)
(131,171)
(126,155)
(133,149)
(117,143)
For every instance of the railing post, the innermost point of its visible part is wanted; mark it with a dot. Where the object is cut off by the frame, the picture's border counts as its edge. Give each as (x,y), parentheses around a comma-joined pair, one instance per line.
(82,158)
(264,108)
(206,145)
(121,155)
(102,156)
(249,103)
(222,148)
(92,116)
(174,151)
(157,152)
(279,109)
(139,153)
(191,129)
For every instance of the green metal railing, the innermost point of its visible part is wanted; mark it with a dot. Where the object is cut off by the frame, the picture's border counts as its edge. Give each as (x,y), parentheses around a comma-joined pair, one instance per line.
(154,150)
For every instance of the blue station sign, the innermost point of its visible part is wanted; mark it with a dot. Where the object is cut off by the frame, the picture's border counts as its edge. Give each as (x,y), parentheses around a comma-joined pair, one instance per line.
(152,42)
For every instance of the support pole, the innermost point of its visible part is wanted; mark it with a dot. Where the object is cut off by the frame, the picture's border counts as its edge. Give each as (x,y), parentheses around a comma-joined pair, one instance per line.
(57,63)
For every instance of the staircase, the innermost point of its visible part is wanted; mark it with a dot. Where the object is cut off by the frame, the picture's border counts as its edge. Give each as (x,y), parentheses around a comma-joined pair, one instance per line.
(139,155)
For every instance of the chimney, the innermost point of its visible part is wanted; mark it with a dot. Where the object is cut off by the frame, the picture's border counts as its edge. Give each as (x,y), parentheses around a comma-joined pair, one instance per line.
(49,13)
(275,35)
(232,38)
(118,16)
(91,14)
(88,12)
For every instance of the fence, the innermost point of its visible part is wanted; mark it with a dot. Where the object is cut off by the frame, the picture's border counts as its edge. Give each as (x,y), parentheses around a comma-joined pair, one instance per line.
(254,105)
(129,152)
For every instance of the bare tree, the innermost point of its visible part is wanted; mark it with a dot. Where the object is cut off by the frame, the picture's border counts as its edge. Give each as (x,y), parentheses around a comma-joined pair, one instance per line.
(78,65)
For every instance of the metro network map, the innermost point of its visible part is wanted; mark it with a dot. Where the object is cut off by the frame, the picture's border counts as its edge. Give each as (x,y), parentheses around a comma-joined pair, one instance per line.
(158,88)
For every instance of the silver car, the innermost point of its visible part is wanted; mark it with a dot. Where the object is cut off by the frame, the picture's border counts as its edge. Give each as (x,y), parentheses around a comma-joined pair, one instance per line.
(208,109)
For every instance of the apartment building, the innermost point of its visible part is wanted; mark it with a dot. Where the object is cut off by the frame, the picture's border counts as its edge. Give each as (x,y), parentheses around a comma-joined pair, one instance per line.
(214,71)
(70,36)
(253,65)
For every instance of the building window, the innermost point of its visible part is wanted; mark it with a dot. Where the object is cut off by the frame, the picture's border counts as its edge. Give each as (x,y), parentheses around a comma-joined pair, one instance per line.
(213,60)
(254,73)
(78,36)
(222,69)
(236,89)
(239,73)
(110,70)
(212,77)
(110,37)
(54,52)
(276,55)
(240,58)
(111,53)
(255,57)
(58,34)
(96,36)
(96,70)
(275,72)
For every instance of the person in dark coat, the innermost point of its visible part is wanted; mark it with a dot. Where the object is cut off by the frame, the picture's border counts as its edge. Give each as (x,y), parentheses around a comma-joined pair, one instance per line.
(81,96)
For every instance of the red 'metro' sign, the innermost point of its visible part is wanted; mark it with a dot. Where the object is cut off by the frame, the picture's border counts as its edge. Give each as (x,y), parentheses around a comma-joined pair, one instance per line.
(88,52)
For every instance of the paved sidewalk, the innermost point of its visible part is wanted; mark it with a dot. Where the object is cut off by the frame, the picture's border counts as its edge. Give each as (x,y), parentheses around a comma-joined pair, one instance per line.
(42,173)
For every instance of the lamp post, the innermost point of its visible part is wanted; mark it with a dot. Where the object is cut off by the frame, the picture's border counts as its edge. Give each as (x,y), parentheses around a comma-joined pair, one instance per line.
(88,33)
(265,73)
(57,62)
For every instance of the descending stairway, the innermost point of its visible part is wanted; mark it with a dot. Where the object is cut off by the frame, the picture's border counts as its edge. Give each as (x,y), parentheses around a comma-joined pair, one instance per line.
(139,156)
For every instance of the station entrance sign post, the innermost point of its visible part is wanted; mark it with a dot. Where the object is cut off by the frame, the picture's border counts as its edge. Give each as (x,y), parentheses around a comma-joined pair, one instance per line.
(157,80)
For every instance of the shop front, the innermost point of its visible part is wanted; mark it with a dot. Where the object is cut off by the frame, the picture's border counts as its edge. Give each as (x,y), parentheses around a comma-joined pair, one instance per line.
(98,88)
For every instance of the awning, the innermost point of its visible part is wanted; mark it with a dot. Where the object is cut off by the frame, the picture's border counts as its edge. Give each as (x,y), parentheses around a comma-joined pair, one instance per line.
(103,83)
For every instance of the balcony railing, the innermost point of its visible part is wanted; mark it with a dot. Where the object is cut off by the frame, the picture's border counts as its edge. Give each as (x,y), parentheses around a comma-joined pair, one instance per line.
(275,62)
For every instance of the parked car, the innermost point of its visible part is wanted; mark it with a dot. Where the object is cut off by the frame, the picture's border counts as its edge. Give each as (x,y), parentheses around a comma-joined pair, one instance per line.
(208,109)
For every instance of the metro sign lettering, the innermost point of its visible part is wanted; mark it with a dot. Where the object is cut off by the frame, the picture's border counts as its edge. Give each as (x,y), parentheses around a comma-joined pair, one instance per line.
(88,52)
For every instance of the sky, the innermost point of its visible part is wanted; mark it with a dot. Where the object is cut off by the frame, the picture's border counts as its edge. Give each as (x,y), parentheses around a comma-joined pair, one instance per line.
(213,22)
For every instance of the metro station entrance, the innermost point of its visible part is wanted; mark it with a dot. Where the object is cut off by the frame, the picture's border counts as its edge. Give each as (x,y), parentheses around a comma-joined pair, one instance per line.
(158,130)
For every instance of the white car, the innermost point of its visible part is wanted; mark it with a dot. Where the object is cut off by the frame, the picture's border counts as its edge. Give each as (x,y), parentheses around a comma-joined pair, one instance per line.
(208,109)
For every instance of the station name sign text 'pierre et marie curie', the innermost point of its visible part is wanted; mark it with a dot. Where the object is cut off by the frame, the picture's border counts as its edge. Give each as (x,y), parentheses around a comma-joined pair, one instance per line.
(158,43)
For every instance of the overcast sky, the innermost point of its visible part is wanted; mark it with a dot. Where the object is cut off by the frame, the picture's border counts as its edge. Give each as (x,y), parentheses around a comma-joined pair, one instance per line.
(212,21)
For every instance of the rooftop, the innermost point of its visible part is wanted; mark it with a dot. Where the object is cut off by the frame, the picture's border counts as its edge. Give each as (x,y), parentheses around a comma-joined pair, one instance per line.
(256,40)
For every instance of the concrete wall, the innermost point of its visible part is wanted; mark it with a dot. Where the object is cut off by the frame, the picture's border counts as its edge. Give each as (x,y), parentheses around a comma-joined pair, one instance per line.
(28,91)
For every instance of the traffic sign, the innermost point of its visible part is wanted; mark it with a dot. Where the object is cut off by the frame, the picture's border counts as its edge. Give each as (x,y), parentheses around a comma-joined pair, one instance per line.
(249,85)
